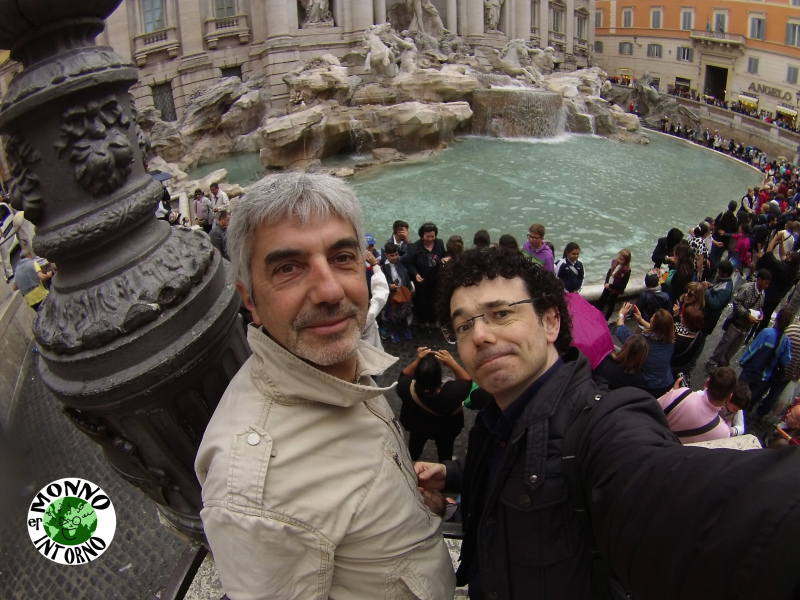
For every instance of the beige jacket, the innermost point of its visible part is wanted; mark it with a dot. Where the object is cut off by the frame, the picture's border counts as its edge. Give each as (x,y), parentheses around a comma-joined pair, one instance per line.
(308,489)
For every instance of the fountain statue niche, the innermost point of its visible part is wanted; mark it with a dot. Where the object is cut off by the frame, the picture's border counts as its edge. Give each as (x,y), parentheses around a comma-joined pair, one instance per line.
(517,112)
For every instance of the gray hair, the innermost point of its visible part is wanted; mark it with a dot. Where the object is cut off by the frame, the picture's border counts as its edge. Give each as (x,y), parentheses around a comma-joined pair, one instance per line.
(302,197)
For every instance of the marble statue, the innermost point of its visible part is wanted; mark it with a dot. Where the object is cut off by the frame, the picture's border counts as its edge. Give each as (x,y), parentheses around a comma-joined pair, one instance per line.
(425,18)
(317,11)
(543,59)
(515,60)
(491,13)
(381,58)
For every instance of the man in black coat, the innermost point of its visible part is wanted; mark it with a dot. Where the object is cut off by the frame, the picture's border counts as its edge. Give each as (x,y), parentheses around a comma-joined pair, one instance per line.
(664,517)
(784,276)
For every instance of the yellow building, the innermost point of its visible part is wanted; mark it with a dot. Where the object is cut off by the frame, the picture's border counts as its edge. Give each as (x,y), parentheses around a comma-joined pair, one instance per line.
(732,50)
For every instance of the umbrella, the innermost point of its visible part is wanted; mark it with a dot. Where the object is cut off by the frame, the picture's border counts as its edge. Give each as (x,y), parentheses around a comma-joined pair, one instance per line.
(160,176)
(589,329)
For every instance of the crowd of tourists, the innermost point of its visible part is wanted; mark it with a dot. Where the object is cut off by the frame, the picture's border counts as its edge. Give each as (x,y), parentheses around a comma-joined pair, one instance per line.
(747,255)
(749,154)
(740,107)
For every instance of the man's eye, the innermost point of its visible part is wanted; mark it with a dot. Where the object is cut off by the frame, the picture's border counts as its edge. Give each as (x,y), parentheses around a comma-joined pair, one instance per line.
(344,259)
(501,315)
(463,327)
(286,269)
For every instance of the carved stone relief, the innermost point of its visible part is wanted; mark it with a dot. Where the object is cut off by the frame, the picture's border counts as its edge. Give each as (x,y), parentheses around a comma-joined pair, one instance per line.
(25,190)
(93,137)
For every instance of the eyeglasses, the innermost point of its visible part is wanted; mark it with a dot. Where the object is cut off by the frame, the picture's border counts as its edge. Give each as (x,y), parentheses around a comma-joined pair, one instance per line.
(689,294)
(498,316)
(534,237)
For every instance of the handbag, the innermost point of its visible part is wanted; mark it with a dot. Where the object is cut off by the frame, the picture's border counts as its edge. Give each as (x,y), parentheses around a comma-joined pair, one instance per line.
(400,296)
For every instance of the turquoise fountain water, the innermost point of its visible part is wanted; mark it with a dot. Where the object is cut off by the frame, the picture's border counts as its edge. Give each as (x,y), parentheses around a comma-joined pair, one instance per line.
(603,194)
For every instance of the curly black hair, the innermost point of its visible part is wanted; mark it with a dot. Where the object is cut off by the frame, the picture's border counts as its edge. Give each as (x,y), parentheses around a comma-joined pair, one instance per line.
(473,266)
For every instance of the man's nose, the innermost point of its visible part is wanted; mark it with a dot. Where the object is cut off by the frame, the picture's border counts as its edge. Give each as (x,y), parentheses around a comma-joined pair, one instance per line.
(326,287)
(481,332)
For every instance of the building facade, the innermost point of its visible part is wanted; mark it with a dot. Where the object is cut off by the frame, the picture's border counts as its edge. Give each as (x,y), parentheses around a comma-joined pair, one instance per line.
(181,46)
(731,50)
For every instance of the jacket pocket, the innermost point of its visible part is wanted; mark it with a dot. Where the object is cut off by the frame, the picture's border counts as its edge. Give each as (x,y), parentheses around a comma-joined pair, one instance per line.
(540,525)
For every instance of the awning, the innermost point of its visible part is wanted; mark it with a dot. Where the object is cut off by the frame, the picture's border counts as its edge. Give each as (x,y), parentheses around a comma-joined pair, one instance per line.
(750,100)
(682,81)
(785,110)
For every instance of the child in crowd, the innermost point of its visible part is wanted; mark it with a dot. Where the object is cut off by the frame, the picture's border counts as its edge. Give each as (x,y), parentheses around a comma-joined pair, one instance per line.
(732,412)
(616,281)
(570,269)
(397,313)
(653,297)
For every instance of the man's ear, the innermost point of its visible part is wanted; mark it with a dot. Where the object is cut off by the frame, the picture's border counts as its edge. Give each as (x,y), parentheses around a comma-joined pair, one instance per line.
(249,303)
(551,321)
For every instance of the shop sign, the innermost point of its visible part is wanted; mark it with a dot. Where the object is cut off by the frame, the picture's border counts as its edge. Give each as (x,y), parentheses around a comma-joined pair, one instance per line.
(770,91)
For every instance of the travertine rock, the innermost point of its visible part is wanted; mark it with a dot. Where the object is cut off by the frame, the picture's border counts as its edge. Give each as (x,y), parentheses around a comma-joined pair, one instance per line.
(452,83)
(206,107)
(326,129)
(244,115)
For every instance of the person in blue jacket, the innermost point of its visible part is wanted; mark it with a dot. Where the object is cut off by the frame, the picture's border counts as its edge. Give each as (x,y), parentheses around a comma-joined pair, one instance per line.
(570,269)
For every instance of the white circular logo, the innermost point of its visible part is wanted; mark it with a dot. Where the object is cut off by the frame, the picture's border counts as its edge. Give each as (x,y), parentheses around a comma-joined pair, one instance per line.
(71,521)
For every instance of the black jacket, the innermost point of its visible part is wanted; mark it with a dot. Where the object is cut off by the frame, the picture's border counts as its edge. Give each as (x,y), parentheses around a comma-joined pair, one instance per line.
(673,521)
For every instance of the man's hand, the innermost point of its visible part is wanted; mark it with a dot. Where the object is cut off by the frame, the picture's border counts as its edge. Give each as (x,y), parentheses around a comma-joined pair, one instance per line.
(430,476)
(371,258)
(419,278)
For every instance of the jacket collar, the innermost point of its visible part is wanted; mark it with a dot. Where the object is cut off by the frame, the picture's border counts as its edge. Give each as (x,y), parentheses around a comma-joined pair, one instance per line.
(297,381)
(573,371)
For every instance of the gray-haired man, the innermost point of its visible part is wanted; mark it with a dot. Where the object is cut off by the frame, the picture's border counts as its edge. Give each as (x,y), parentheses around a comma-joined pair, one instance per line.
(308,491)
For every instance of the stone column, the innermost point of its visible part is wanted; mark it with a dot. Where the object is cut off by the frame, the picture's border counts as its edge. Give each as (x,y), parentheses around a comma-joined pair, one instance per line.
(474,25)
(452,15)
(278,17)
(522,20)
(379,8)
(140,334)
(569,26)
(360,15)
(544,23)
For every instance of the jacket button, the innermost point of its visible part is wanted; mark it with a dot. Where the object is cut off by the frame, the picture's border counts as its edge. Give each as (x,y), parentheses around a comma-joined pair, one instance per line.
(533,478)
(253,439)
(524,501)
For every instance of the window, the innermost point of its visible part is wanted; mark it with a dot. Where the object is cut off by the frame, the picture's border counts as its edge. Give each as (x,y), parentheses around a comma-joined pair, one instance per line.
(654,50)
(598,18)
(225,8)
(534,14)
(795,2)
(557,17)
(758,28)
(626,47)
(598,46)
(687,20)
(232,71)
(791,75)
(792,34)
(627,17)
(655,18)
(153,15)
(163,101)
(685,53)
(752,65)
(720,22)
(582,28)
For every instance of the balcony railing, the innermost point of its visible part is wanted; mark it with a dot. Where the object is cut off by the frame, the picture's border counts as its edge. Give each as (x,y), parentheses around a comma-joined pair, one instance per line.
(221,27)
(581,44)
(156,41)
(704,35)
(557,39)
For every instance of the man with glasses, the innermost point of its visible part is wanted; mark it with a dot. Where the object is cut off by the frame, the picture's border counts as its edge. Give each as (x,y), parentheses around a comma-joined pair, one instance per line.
(536,250)
(553,442)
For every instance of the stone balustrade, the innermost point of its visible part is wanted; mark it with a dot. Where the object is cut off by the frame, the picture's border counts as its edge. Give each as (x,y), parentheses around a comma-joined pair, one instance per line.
(235,26)
(705,35)
(150,43)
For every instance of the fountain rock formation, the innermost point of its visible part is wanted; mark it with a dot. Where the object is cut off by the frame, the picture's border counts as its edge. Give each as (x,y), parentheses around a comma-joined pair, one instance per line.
(653,106)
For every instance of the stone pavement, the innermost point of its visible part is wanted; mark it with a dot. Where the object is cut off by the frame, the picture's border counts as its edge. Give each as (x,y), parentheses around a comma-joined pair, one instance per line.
(41,446)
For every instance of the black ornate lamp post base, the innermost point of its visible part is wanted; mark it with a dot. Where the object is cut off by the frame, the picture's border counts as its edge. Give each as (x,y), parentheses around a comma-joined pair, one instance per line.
(140,334)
